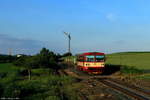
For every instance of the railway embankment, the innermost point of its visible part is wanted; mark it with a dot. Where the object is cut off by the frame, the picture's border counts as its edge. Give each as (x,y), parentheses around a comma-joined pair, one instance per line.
(112,86)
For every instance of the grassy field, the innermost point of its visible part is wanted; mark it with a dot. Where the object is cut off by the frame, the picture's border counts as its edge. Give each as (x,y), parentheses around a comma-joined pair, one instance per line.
(44,85)
(139,60)
(8,67)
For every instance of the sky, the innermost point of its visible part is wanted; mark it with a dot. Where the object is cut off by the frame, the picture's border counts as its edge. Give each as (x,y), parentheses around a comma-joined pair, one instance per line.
(95,25)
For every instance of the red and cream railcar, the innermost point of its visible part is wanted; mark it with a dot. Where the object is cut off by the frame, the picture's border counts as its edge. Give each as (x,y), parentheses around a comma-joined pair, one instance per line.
(91,62)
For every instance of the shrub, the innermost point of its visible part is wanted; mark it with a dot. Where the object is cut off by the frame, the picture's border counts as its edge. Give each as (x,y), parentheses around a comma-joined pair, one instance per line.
(41,71)
(1,90)
(10,77)
(3,74)
(11,91)
(52,98)
(130,70)
(31,87)
(20,61)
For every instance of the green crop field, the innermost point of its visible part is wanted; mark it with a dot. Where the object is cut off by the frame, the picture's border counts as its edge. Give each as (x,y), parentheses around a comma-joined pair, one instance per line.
(139,60)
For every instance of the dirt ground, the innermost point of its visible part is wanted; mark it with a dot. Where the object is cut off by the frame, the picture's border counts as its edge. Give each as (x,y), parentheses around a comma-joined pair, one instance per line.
(94,90)
(91,89)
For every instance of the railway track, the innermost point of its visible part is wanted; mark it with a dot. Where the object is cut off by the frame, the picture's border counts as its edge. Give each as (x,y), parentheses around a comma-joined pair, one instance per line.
(134,92)
(147,92)
(117,85)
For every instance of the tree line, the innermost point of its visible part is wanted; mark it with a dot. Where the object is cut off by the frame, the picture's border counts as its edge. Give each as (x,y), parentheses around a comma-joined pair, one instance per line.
(44,59)
(7,58)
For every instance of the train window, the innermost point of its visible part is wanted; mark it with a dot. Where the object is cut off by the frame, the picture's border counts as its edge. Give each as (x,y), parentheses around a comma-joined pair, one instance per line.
(80,58)
(99,58)
(89,58)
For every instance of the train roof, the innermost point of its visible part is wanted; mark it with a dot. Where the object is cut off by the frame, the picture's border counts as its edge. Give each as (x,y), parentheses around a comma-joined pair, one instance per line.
(91,53)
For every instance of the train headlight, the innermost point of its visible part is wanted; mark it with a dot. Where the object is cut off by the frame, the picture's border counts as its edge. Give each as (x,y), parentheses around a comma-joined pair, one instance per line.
(87,64)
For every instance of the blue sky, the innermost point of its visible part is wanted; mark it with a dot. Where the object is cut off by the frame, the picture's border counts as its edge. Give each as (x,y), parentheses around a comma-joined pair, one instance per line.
(95,25)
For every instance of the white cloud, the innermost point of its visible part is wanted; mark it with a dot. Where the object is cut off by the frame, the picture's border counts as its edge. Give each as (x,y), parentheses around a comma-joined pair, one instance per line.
(111,17)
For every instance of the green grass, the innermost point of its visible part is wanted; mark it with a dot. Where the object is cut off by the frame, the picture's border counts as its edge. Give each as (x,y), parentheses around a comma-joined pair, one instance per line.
(8,67)
(139,60)
(144,77)
(8,71)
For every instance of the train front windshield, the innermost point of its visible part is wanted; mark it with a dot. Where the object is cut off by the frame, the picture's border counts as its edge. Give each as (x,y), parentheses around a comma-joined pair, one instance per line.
(90,58)
(97,58)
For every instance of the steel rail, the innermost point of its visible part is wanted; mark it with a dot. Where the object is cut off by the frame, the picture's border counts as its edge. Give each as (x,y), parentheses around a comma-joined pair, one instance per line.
(143,91)
(125,90)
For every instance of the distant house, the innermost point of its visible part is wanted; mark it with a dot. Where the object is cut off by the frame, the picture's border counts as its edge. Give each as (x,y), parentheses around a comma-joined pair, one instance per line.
(19,55)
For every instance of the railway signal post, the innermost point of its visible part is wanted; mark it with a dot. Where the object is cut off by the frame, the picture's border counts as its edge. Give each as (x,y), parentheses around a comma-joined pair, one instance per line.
(69,38)
(69,51)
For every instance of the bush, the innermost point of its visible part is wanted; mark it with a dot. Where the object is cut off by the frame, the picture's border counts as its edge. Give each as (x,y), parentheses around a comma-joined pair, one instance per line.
(47,87)
(8,87)
(23,72)
(11,91)
(1,90)
(67,54)
(130,70)
(41,71)
(52,98)
(20,61)
(10,77)
(3,74)
(31,87)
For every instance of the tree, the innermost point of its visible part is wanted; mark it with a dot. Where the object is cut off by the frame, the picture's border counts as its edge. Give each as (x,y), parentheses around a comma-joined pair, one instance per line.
(47,59)
(44,57)
(20,61)
(67,54)
(30,63)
